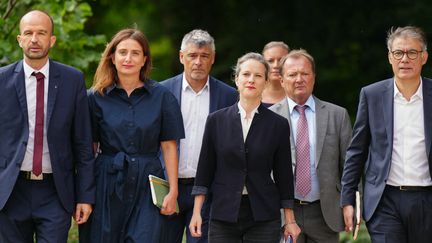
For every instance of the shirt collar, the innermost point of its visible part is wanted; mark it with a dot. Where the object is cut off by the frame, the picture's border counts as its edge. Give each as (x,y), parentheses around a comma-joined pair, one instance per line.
(148,84)
(185,84)
(29,70)
(418,93)
(242,112)
(310,102)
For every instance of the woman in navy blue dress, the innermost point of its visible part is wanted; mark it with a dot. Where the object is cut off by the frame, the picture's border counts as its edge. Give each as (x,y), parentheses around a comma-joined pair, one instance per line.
(133,118)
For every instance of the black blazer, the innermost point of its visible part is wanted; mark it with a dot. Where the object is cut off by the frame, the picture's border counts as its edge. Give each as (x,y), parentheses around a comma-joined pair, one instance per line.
(227,164)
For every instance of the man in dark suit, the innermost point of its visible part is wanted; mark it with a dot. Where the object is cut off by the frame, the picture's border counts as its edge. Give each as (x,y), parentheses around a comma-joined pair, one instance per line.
(46,161)
(198,94)
(317,212)
(391,147)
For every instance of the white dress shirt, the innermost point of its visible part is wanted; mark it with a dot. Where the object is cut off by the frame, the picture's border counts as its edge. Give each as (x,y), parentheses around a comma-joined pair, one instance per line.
(30,87)
(409,165)
(246,121)
(246,124)
(195,108)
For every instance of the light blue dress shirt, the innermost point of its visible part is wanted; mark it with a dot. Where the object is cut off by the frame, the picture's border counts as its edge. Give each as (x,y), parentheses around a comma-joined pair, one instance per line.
(313,195)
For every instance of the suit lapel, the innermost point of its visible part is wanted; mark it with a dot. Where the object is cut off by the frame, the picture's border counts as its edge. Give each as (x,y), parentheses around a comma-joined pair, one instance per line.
(282,108)
(54,81)
(236,130)
(213,94)
(387,100)
(427,104)
(177,87)
(321,119)
(19,81)
(255,121)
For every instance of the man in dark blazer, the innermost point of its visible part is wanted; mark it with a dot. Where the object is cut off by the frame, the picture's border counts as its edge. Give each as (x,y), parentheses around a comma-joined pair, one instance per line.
(46,161)
(318,213)
(391,147)
(198,94)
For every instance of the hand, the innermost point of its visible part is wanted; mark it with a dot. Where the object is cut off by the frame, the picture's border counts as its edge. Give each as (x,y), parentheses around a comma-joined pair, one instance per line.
(348,213)
(195,225)
(292,229)
(169,204)
(82,212)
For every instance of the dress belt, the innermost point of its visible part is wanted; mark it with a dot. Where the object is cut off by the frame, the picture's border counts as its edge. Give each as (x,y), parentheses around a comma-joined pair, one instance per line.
(411,188)
(120,166)
(28,175)
(305,202)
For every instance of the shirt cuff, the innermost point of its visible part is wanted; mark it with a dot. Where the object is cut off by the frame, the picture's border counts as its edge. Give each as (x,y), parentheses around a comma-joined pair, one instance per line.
(287,203)
(199,190)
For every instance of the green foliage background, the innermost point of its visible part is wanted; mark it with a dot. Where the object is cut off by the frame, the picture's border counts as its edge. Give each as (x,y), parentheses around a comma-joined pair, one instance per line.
(74,46)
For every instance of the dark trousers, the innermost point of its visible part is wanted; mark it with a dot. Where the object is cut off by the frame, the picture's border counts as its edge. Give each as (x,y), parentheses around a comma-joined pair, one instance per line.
(34,211)
(246,229)
(402,217)
(313,227)
(172,230)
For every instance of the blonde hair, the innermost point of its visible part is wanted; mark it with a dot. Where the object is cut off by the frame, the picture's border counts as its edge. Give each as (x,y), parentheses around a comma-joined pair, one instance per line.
(250,56)
(295,54)
(273,44)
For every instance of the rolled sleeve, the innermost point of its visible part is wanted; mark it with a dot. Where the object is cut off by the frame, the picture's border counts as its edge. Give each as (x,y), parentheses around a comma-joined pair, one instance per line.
(287,203)
(199,190)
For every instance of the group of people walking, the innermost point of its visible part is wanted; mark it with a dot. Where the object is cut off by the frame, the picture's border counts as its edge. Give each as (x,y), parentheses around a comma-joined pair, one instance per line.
(263,163)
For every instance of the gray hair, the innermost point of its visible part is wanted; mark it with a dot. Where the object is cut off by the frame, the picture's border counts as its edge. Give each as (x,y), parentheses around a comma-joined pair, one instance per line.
(198,37)
(412,32)
(272,44)
(250,56)
(295,54)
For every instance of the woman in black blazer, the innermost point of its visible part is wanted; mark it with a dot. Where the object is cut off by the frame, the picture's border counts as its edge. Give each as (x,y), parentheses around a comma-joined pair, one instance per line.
(242,145)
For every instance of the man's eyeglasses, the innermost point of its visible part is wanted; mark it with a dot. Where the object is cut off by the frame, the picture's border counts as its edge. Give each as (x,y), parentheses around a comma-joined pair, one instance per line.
(411,54)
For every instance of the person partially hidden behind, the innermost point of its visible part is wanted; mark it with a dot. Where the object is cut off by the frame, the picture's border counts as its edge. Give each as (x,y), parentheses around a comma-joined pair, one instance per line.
(46,159)
(198,94)
(391,147)
(273,52)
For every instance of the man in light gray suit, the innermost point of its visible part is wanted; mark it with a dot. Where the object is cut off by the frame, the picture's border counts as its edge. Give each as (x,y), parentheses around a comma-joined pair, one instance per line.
(321,132)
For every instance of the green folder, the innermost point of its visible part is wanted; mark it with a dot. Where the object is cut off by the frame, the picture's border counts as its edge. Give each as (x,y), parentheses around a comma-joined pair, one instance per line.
(159,189)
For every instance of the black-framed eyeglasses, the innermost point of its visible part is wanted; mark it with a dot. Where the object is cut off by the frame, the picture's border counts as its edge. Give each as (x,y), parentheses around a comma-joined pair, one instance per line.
(411,54)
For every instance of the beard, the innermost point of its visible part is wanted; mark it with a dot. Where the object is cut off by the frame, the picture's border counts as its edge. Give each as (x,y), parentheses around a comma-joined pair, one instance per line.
(41,54)
(36,56)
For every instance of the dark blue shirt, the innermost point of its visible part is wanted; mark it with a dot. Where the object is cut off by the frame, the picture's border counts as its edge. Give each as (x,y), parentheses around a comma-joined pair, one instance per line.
(138,123)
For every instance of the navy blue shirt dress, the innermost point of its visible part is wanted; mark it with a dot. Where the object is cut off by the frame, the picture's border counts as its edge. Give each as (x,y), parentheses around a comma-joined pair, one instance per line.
(129,131)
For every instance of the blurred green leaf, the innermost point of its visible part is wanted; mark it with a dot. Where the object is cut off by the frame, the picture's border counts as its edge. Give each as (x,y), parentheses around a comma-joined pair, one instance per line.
(73,47)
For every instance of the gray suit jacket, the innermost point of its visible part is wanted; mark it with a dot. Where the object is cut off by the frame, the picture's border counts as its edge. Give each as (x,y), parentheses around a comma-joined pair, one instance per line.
(333,134)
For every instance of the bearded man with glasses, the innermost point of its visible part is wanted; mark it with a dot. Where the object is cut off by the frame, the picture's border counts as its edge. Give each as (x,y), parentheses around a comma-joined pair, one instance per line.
(391,147)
